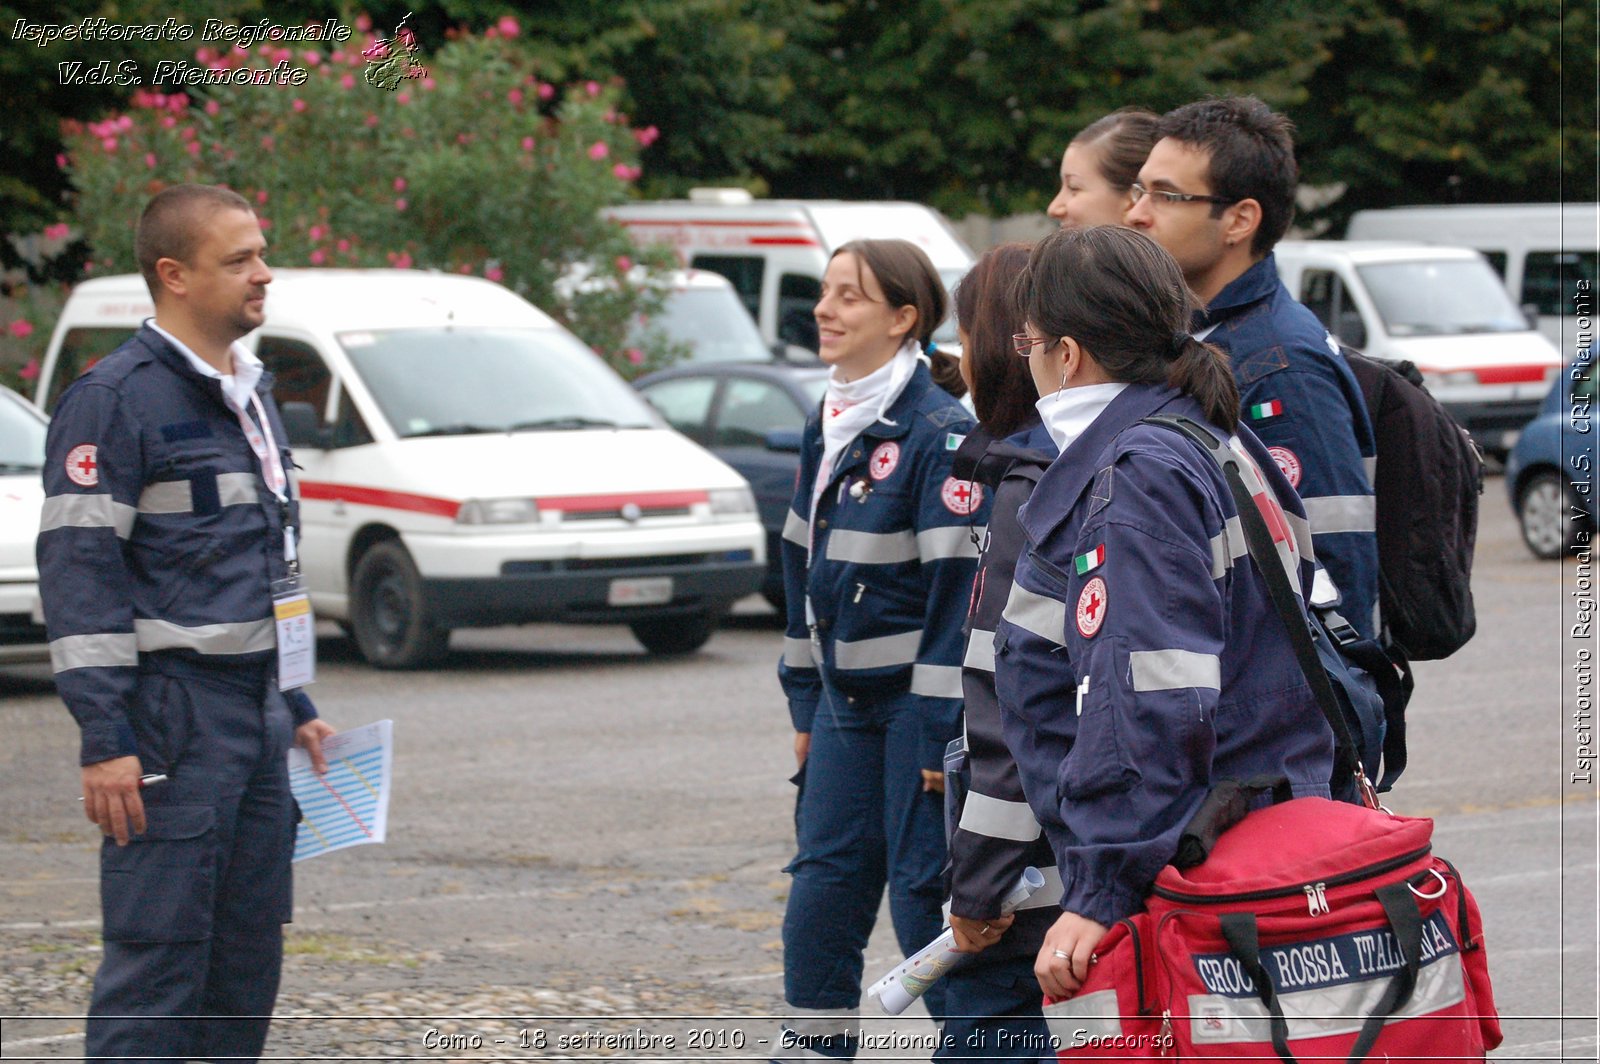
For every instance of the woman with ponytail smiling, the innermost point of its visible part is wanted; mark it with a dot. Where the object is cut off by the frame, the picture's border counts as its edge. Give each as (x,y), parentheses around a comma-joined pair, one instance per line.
(1139,660)
(879,551)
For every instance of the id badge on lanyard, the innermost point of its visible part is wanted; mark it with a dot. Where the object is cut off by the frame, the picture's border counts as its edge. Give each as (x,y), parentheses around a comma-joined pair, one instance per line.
(291,604)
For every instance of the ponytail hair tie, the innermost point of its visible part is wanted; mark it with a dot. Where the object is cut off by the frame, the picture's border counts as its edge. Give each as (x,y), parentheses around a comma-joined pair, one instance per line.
(928,347)
(1180,340)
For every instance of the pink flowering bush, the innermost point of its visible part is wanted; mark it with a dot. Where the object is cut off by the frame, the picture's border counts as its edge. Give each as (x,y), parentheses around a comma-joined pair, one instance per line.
(496,175)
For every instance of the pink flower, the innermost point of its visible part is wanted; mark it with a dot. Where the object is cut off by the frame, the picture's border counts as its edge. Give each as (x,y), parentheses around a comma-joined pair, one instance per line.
(515,96)
(599,150)
(372,120)
(205,56)
(193,148)
(546,91)
(267,142)
(403,97)
(494,273)
(399,184)
(150,159)
(316,232)
(343,245)
(169,121)
(261,196)
(318,257)
(21,328)
(464,268)
(404,261)
(427,83)
(624,172)
(646,136)
(508,27)
(109,143)
(312,58)
(527,143)
(144,99)
(624,264)
(213,107)
(592,88)
(299,104)
(30,371)
(635,355)
(491,34)
(363,22)
(400,204)
(266,223)
(61,161)
(178,101)
(58,231)
(348,81)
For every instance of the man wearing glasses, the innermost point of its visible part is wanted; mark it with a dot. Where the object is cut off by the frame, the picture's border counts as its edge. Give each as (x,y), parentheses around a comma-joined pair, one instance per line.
(1217,191)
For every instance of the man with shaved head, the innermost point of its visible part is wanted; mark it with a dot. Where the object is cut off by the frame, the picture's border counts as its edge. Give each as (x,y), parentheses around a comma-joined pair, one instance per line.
(168,538)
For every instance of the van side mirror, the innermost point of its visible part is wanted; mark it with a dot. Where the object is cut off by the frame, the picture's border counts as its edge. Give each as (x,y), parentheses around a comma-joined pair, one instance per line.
(784,440)
(303,427)
(1530,314)
(1350,329)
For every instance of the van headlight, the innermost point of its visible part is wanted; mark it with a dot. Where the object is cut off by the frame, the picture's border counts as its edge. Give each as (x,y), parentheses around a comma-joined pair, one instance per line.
(498,512)
(731,503)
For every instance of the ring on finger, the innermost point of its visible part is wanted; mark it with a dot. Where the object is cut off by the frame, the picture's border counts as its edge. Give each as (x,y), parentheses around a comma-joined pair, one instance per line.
(985,930)
(1059,953)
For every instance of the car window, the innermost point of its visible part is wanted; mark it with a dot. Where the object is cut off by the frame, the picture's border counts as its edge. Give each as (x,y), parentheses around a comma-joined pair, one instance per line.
(744,271)
(300,375)
(21,436)
(686,404)
(1550,278)
(712,322)
(798,296)
(80,349)
(1323,293)
(750,410)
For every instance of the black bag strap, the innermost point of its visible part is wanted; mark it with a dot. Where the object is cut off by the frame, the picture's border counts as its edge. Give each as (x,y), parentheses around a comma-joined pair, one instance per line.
(1300,630)
(1239,930)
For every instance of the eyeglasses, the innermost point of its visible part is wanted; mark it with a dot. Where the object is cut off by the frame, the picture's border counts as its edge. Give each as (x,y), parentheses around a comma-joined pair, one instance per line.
(1162,196)
(1024,344)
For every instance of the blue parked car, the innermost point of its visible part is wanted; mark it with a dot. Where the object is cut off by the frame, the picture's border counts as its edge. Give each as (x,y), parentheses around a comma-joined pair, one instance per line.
(750,415)
(1550,473)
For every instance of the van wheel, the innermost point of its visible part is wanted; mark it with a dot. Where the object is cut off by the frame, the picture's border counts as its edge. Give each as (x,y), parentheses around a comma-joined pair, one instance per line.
(1545,508)
(387,613)
(675,635)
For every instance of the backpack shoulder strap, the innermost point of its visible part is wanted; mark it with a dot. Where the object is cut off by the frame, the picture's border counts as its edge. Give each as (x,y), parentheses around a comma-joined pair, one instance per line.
(1301,632)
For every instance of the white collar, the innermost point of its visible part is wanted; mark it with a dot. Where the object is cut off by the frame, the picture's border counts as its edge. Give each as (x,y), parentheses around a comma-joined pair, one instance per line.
(237,386)
(1067,413)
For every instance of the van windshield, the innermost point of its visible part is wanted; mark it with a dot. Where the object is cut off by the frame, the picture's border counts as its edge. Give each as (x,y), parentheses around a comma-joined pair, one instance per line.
(449,382)
(21,436)
(712,322)
(1440,298)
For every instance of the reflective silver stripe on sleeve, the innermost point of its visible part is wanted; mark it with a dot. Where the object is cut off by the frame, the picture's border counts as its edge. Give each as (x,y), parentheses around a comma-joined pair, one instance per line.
(87,511)
(996,818)
(1371,466)
(936,681)
(796,529)
(871,548)
(176,497)
(1229,545)
(980,650)
(1086,1016)
(109,651)
(1044,617)
(244,637)
(1169,670)
(1302,537)
(1050,893)
(879,653)
(1342,513)
(951,541)
(797,653)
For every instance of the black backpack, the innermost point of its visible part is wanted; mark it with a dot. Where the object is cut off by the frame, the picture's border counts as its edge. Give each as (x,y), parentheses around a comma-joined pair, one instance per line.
(1429,476)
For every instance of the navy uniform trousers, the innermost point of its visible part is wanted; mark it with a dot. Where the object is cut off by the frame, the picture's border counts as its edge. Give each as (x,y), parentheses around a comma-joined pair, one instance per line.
(194,908)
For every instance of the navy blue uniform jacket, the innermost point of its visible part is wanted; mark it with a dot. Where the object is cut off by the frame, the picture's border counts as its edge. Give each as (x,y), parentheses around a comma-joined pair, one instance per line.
(1297,394)
(159,536)
(892,555)
(1139,660)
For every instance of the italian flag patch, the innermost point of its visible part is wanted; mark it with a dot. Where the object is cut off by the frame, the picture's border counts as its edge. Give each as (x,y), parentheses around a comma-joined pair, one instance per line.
(1084,563)
(1270,408)
(952,441)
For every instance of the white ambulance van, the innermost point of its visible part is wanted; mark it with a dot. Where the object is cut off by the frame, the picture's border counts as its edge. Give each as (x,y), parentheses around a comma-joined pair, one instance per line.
(467,462)
(1548,254)
(1440,308)
(776,251)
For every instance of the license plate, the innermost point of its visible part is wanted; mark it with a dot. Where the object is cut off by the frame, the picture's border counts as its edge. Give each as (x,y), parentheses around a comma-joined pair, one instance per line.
(640,591)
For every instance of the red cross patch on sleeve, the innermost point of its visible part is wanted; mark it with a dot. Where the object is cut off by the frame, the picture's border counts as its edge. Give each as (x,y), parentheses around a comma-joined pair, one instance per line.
(961,497)
(83,465)
(1092,602)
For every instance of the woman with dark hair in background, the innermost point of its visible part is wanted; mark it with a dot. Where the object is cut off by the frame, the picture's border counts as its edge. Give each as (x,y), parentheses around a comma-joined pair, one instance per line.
(993,1000)
(1139,660)
(1099,167)
(878,555)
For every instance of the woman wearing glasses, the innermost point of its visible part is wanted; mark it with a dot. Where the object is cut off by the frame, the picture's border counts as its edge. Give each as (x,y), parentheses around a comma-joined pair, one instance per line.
(994,1000)
(878,552)
(1139,660)
(1099,167)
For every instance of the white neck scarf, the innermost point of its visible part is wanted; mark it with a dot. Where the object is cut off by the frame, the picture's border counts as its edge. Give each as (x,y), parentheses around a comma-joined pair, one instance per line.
(1071,410)
(852,406)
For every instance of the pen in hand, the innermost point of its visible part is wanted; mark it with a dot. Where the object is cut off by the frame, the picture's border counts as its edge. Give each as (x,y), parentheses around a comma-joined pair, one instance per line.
(147,780)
